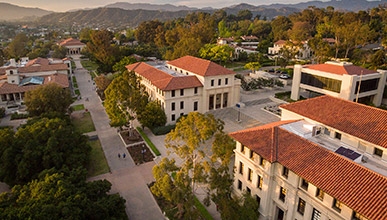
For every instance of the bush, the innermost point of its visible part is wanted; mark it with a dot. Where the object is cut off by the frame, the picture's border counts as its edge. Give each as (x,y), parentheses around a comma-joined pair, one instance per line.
(162,130)
(16,116)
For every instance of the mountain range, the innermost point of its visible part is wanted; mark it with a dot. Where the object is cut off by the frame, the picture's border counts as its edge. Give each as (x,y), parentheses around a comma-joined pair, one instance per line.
(131,14)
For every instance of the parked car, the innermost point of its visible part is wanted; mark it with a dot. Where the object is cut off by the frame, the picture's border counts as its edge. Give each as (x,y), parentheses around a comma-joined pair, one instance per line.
(284,76)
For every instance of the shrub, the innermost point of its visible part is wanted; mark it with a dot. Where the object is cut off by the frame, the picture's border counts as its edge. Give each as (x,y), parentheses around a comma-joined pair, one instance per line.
(162,130)
(15,116)
(2,112)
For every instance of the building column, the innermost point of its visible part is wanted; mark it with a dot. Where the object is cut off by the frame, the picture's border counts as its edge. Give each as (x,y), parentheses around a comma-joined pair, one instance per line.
(295,94)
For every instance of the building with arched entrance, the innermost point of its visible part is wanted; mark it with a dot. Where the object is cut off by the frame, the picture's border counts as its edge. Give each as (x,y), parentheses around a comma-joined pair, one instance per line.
(73,46)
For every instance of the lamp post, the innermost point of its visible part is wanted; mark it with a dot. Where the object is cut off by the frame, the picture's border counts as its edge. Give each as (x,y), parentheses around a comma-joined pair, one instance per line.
(239,112)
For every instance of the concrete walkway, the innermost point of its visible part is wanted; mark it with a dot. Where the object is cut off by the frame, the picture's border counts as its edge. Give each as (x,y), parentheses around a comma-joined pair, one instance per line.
(127,179)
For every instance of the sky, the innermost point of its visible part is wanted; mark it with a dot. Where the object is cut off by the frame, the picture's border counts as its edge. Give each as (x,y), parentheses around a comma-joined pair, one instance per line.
(66,5)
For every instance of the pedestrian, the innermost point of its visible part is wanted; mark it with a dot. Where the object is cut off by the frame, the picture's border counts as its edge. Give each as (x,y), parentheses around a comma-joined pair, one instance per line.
(119,155)
(124,155)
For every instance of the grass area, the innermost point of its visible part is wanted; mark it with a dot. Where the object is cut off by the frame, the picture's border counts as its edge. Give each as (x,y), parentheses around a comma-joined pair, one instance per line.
(203,211)
(72,64)
(98,164)
(75,85)
(78,107)
(284,96)
(77,92)
(148,141)
(89,65)
(83,122)
(74,79)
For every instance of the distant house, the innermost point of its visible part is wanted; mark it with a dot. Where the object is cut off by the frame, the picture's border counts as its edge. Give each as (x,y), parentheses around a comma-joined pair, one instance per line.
(74,46)
(303,50)
(248,44)
(325,159)
(339,79)
(18,78)
(188,84)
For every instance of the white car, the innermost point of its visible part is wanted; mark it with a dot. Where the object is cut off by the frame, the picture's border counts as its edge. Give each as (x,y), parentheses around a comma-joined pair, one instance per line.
(284,76)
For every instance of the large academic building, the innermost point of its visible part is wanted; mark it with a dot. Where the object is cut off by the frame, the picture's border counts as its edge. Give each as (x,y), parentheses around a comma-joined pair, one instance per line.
(188,84)
(326,159)
(339,79)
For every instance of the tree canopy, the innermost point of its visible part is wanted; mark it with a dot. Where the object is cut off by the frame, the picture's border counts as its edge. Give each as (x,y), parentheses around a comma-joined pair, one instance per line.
(125,98)
(46,99)
(62,195)
(152,116)
(40,144)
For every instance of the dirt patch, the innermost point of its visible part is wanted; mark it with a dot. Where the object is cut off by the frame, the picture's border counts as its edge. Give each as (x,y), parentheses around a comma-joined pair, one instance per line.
(140,153)
(133,138)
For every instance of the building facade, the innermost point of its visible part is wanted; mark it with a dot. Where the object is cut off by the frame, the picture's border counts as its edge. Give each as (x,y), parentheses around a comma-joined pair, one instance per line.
(188,84)
(321,161)
(73,46)
(18,78)
(339,79)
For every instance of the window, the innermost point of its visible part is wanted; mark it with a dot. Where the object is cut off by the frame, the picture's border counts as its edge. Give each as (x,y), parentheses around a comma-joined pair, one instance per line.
(285,172)
(301,206)
(251,154)
(336,205)
(316,215)
(320,194)
(338,135)
(226,81)
(327,132)
(225,99)
(239,185)
(173,106)
(357,216)
(212,82)
(304,184)
(262,162)
(242,148)
(173,117)
(241,168)
(219,82)
(181,114)
(195,106)
(182,105)
(11,72)
(321,82)
(250,175)
(181,92)
(260,182)
(258,199)
(282,194)
(196,90)
(173,93)
(378,152)
(248,190)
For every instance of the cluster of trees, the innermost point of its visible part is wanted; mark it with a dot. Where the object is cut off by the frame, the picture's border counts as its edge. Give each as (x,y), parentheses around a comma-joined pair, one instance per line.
(206,152)
(45,160)
(32,47)
(126,99)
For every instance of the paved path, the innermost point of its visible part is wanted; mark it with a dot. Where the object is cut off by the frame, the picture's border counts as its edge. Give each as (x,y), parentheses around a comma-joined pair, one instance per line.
(127,179)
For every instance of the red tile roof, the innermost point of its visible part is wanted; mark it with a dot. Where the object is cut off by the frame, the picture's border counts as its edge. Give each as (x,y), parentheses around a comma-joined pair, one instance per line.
(163,80)
(200,66)
(71,42)
(280,42)
(340,69)
(356,186)
(60,79)
(365,122)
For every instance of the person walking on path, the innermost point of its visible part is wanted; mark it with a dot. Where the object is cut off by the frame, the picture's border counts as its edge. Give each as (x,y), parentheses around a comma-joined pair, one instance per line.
(119,155)
(124,155)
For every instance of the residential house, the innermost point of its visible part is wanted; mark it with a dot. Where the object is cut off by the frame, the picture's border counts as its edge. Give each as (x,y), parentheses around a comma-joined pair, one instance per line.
(325,159)
(339,79)
(188,84)
(303,50)
(248,44)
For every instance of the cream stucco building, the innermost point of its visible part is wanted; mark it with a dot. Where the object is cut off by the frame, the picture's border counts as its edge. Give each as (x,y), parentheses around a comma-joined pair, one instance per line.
(326,159)
(339,79)
(188,84)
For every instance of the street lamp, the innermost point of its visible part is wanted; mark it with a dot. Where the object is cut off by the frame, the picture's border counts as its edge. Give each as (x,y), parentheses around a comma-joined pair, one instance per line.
(239,112)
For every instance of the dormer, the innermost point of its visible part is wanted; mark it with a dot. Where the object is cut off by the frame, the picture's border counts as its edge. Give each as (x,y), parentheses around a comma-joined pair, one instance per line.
(12,76)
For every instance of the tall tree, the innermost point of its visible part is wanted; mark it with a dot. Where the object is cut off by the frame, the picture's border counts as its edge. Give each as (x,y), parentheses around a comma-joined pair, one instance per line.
(125,97)
(18,47)
(280,26)
(46,99)
(217,53)
(153,115)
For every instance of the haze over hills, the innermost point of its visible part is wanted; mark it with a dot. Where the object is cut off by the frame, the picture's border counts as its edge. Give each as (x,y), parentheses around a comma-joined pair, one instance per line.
(131,14)
(9,12)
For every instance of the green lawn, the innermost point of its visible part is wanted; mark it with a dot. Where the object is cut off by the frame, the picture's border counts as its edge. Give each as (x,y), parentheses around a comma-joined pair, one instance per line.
(149,142)
(77,92)
(89,65)
(78,107)
(98,164)
(83,122)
